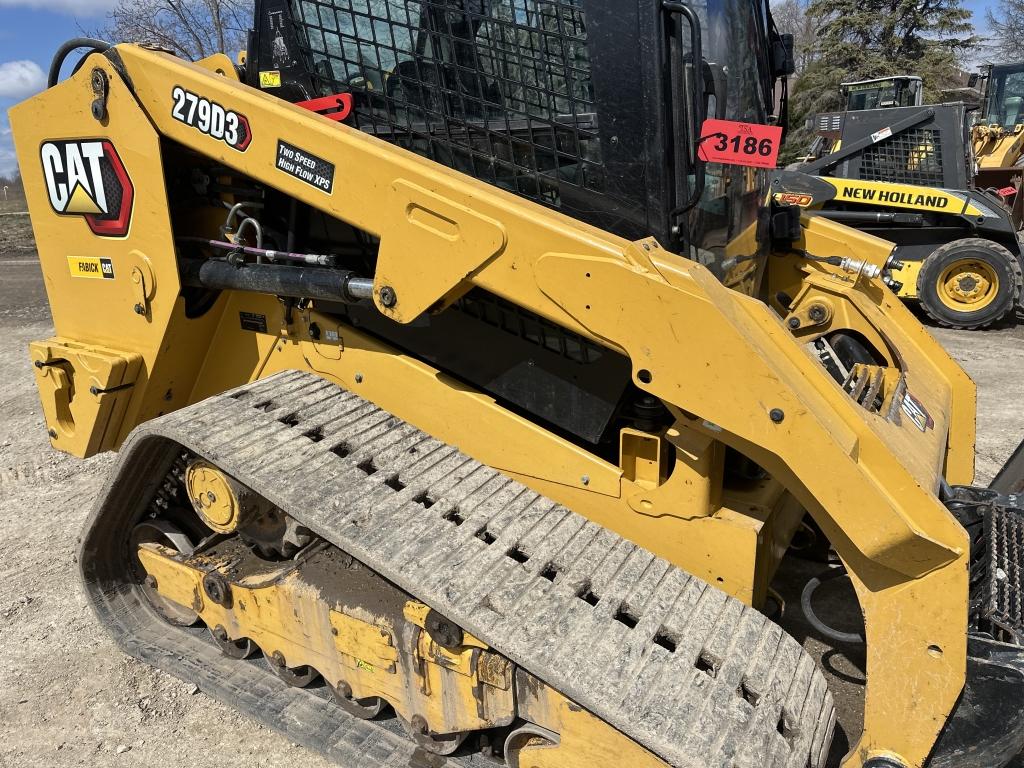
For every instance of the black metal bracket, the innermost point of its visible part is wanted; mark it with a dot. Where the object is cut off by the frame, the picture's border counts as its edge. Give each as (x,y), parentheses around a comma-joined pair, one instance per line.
(101,90)
(848,150)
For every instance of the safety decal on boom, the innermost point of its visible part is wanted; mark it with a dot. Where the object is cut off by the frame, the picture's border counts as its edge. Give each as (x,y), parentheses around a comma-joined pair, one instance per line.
(85,177)
(306,166)
(211,119)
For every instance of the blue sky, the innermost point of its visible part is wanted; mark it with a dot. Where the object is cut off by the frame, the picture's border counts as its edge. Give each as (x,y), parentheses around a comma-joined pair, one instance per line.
(31,30)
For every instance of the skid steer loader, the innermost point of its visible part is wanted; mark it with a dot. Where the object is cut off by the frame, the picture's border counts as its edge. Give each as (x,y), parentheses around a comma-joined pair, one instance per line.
(906,174)
(857,95)
(465,412)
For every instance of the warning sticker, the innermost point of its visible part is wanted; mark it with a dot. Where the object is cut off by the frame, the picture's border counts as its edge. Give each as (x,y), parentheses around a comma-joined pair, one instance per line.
(916,412)
(271,79)
(306,166)
(96,267)
(885,133)
(253,321)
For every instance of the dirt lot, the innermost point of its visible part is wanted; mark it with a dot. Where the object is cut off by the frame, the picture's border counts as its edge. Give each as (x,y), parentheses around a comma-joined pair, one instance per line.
(68,697)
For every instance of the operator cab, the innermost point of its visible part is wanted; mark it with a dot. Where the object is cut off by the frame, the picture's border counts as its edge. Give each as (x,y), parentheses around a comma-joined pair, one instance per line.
(883,92)
(860,96)
(1004,103)
(591,107)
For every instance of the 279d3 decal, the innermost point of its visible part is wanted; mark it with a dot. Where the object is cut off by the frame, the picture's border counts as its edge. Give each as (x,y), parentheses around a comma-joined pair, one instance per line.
(210,118)
(86,177)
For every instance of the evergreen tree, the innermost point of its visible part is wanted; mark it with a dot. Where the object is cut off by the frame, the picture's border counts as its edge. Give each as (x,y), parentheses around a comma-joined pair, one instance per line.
(863,39)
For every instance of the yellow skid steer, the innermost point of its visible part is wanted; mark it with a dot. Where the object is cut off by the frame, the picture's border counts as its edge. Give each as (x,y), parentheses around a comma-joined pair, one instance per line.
(466,412)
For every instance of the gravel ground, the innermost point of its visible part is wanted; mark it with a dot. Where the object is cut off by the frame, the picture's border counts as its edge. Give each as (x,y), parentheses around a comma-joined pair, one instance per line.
(68,697)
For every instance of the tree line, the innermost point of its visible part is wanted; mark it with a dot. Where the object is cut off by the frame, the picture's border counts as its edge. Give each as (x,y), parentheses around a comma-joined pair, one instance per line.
(843,40)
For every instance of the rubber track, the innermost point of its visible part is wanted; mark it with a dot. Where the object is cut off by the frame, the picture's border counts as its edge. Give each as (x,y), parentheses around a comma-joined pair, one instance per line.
(692,674)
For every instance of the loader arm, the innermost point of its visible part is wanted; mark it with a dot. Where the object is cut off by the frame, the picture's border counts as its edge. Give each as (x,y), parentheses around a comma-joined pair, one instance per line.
(732,370)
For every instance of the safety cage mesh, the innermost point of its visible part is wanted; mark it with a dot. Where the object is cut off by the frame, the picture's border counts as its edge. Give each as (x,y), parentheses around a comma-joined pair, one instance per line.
(498,89)
(913,156)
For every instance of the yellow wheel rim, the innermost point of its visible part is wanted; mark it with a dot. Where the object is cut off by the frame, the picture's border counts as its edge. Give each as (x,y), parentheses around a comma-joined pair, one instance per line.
(968,285)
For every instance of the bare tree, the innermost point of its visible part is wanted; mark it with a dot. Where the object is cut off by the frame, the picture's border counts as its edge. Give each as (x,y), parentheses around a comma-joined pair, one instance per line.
(1007,24)
(193,28)
(791,17)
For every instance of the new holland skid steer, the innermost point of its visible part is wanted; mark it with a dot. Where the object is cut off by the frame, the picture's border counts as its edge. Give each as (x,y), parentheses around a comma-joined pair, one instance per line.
(466,413)
(907,174)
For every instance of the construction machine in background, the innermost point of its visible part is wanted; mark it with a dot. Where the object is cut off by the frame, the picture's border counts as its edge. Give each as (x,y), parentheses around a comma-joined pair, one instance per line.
(907,174)
(466,411)
(857,95)
(997,135)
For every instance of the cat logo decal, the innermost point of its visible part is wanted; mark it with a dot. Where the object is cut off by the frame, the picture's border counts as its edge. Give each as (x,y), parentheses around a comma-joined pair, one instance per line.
(85,177)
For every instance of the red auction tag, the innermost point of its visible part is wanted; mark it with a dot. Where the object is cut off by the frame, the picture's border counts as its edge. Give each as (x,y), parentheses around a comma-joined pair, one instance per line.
(733,143)
(1007,191)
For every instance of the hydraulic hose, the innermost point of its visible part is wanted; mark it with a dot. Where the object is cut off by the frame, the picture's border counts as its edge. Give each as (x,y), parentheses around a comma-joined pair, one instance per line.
(74,44)
(852,638)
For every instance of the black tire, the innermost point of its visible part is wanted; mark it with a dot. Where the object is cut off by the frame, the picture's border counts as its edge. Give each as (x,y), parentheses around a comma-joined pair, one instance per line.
(953,301)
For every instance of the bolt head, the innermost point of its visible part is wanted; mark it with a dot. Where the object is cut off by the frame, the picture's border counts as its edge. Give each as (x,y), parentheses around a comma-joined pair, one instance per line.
(777,415)
(359,378)
(816,313)
(388,297)
(794,322)
(52,433)
(419,724)
(139,309)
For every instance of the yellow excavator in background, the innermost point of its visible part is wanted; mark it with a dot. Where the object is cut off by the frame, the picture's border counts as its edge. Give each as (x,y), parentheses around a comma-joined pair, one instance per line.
(998,134)
(467,410)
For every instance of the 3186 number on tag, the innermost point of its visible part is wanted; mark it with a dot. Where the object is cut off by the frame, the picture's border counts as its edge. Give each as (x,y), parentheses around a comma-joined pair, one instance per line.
(735,143)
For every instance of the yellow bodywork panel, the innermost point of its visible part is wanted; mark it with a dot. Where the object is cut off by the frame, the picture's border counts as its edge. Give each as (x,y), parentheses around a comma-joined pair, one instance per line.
(84,391)
(584,741)
(905,196)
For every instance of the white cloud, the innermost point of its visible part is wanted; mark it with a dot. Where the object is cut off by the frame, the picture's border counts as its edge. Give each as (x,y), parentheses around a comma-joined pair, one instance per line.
(73,7)
(19,79)
(8,160)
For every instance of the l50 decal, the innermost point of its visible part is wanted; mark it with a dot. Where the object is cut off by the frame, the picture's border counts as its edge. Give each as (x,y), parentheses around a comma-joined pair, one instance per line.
(210,118)
(85,177)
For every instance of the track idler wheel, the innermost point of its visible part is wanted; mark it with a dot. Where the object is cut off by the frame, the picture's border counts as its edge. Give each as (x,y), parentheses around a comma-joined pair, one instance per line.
(169,535)
(365,709)
(235,649)
(438,743)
